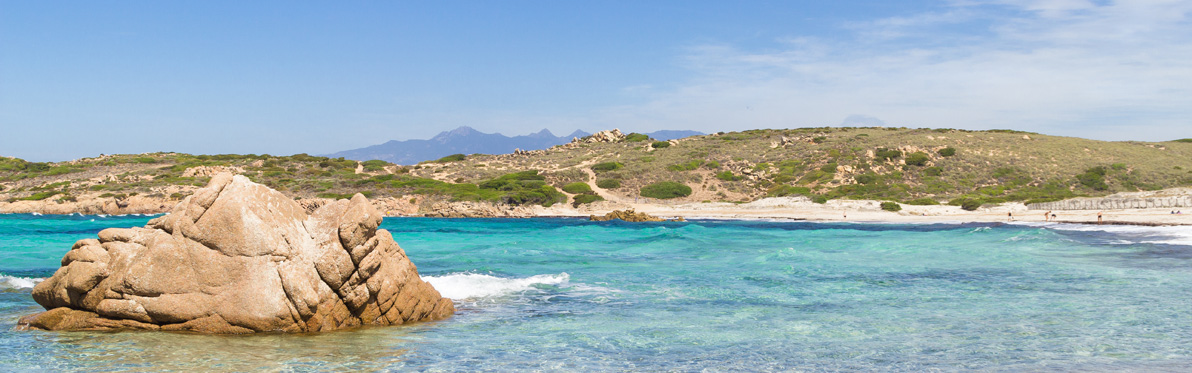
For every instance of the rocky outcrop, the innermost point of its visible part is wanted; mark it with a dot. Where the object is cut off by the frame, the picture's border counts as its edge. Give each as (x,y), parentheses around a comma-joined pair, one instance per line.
(471,209)
(613,135)
(208,171)
(238,257)
(629,216)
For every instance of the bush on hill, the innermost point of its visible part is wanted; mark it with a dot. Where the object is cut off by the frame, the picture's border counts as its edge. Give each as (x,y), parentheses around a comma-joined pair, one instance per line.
(608,183)
(917,159)
(607,166)
(788,190)
(686,166)
(660,144)
(1093,178)
(922,202)
(727,175)
(585,199)
(577,188)
(636,137)
(374,165)
(968,204)
(891,206)
(451,158)
(40,196)
(665,190)
(947,152)
(887,154)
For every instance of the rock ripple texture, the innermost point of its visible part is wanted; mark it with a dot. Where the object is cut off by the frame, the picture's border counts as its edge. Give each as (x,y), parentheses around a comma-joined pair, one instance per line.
(238,257)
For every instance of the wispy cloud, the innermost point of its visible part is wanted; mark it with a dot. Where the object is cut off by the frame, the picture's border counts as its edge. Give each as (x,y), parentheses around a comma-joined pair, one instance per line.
(1114,71)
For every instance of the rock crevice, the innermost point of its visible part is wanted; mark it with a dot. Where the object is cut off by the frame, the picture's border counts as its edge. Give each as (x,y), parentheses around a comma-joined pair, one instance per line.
(238,257)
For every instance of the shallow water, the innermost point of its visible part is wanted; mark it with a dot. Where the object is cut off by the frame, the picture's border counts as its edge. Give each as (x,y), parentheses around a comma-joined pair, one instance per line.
(565,294)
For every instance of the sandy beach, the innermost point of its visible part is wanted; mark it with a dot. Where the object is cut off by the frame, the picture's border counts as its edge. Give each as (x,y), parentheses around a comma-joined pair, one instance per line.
(870,211)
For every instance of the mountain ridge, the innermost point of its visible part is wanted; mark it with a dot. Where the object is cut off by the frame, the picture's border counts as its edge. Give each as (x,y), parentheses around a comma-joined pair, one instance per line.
(468,140)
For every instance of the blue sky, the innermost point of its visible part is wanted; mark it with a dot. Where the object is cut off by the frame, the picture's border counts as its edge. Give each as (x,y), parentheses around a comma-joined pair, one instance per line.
(83,78)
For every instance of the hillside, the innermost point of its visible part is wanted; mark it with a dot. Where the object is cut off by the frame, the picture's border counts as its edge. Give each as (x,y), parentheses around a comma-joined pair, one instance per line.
(915,166)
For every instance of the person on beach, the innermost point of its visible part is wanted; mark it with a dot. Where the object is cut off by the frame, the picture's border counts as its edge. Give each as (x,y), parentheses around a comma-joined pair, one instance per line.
(1047,216)
(845,216)
(1053,217)
(1010,216)
(1099,217)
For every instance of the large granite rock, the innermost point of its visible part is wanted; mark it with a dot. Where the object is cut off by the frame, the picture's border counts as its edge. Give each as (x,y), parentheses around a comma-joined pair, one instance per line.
(238,257)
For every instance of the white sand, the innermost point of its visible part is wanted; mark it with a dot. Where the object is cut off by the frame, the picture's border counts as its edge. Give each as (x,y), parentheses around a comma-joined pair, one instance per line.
(870,211)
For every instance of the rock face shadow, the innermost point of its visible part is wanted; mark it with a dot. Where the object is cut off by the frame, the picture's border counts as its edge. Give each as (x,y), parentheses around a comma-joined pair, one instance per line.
(237,257)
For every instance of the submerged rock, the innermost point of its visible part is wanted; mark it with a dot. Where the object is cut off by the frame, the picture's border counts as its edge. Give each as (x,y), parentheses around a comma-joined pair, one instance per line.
(629,216)
(238,257)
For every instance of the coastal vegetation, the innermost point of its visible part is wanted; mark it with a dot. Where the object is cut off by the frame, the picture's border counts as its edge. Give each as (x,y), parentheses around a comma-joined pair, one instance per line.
(665,190)
(908,166)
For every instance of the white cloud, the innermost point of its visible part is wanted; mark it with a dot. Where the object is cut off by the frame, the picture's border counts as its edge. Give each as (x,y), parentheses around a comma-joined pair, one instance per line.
(1117,71)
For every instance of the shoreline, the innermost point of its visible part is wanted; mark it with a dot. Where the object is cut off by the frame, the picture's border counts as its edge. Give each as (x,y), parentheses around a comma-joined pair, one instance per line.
(824,214)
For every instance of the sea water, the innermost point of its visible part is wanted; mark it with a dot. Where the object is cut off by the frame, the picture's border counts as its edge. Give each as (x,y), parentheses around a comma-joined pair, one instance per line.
(572,295)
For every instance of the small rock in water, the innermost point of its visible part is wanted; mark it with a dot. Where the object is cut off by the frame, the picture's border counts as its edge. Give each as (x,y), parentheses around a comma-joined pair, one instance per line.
(629,216)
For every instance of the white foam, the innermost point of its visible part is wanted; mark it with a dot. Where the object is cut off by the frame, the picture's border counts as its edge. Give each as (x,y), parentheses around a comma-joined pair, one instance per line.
(1172,235)
(13,282)
(36,214)
(474,285)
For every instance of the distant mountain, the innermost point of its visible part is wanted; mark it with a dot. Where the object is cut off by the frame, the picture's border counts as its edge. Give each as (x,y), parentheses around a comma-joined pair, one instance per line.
(466,140)
(672,134)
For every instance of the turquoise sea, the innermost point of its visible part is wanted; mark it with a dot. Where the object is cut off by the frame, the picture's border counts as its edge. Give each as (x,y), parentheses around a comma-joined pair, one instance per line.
(572,295)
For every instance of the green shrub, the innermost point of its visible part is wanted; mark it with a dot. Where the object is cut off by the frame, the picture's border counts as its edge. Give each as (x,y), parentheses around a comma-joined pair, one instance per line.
(867,178)
(727,175)
(887,154)
(577,188)
(933,171)
(922,202)
(829,168)
(1183,140)
(1093,178)
(712,165)
(451,158)
(660,144)
(367,193)
(947,152)
(819,139)
(607,166)
(968,204)
(608,183)
(891,206)
(636,137)
(665,190)
(40,196)
(585,199)
(917,159)
(686,166)
(374,165)
(787,190)
(820,199)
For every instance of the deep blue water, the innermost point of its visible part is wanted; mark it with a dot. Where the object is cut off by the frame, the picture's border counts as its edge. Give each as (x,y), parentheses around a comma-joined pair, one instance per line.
(566,294)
